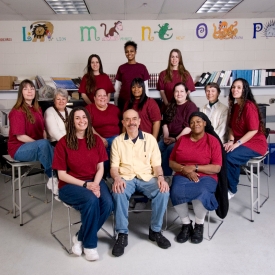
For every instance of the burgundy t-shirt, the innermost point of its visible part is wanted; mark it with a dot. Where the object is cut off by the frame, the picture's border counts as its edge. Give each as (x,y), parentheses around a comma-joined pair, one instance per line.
(149,113)
(107,122)
(205,151)
(168,87)
(181,118)
(102,81)
(19,125)
(81,163)
(249,121)
(126,73)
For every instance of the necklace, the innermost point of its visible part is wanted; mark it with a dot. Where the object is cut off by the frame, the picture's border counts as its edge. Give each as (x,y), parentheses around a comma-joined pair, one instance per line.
(66,114)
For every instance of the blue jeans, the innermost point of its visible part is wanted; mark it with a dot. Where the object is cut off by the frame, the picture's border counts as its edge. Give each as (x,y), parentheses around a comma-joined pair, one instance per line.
(94,211)
(234,161)
(107,162)
(39,150)
(165,154)
(151,190)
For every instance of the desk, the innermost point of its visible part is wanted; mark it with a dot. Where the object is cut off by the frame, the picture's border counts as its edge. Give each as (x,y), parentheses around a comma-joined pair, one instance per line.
(19,177)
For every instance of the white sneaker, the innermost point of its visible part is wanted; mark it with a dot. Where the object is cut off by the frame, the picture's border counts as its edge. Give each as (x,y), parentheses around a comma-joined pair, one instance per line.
(77,247)
(52,184)
(91,254)
(230,195)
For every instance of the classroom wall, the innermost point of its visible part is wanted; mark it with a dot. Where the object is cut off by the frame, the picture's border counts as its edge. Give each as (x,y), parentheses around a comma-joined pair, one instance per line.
(247,44)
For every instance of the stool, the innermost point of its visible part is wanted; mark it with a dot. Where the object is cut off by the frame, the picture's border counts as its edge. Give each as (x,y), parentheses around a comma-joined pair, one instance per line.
(251,173)
(20,170)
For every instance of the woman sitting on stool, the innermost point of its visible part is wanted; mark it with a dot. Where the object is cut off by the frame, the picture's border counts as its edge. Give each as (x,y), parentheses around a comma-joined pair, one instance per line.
(27,136)
(246,137)
(79,158)
(196,159)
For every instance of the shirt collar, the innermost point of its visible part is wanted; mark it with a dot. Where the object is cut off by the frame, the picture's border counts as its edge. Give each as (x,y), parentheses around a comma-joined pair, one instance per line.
(140,136)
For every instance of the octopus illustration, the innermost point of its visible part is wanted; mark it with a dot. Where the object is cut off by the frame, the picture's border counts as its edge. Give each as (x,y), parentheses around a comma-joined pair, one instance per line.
(224,31)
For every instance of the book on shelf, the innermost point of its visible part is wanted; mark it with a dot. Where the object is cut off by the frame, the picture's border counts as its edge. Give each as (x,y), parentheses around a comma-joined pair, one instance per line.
(64,83)
(225,79)
(203,79)
(217,77)
(211,77)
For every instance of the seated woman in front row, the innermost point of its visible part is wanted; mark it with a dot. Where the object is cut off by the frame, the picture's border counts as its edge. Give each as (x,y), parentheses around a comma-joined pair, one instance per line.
(56,117)
(196,159)
(79,158)
(175,123)
(27,136)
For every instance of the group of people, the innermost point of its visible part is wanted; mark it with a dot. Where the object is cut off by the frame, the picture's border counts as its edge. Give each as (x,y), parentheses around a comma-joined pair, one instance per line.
(80,147)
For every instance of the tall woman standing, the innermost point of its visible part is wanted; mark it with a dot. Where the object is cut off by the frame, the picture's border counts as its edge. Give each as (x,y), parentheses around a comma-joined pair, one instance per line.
(174,73)
(126,73)
(246,137)
(94,79)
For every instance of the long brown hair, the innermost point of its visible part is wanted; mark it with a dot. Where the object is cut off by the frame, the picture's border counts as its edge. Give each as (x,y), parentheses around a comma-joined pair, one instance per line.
(71,138)
(172,106)
(21,103)
(181,69)
(91,84)
(246,95)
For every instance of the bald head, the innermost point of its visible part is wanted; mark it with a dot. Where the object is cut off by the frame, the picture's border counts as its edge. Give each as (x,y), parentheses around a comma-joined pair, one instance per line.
(131,121)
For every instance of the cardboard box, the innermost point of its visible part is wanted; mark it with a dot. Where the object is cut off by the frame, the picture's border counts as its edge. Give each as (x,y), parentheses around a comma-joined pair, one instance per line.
(6,82)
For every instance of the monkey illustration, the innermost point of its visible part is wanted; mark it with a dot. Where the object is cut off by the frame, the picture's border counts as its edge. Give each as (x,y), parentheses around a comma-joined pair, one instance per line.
(113,33)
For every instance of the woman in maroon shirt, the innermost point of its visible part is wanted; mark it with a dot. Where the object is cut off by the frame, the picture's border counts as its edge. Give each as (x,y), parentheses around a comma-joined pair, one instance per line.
(93,79)
(27,136)
(146,107)
(175,123)
(196,159)
(79,158)
(106,119)
(246,137)
(174,73)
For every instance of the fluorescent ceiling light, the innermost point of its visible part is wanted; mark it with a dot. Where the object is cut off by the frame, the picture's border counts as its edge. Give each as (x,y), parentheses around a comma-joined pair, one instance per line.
(218,6)
(68,6)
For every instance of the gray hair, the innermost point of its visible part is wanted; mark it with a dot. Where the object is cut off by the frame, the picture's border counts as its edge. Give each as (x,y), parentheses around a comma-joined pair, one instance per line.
(62,92)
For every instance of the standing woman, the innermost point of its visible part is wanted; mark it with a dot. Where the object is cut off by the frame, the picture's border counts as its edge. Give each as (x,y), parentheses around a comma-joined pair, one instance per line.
(27,136)
(246,137)
(126,73)
(174,73)
(215,110)
(79,158)
(93,79)
(146,107)
(175,123)
(56,117)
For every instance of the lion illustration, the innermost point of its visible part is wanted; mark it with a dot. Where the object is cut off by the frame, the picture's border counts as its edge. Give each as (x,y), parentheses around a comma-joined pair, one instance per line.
(40,29)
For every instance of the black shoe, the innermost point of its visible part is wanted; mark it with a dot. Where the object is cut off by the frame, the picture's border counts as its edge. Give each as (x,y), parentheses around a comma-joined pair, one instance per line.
(186,232)
(159,238)
(121,243)
(197,236)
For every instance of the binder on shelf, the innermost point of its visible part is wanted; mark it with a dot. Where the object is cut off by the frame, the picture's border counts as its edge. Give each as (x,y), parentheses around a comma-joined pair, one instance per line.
(221,76)
(216,77)
(67,84)
(199,82)
(212,77)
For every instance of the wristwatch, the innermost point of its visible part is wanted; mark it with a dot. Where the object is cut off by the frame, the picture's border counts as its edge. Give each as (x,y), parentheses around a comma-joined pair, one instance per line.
(239,142)
(85,184)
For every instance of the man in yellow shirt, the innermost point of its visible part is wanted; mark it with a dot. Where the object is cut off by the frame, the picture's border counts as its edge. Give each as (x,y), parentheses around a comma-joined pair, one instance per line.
(136,166)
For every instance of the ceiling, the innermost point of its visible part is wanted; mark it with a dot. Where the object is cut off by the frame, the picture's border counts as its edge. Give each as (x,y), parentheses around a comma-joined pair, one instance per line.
(33,10)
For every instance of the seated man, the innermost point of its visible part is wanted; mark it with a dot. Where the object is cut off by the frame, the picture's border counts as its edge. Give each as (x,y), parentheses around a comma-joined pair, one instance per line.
(136,166)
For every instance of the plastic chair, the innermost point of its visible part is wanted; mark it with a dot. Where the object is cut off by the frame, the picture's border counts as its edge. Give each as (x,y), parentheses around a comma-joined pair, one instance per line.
(20,171)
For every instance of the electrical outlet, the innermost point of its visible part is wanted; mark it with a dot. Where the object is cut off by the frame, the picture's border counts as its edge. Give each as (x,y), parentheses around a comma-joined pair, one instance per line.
(272,100)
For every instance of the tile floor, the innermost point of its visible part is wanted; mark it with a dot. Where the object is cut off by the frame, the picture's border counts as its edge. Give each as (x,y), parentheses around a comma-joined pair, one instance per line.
(239,247)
